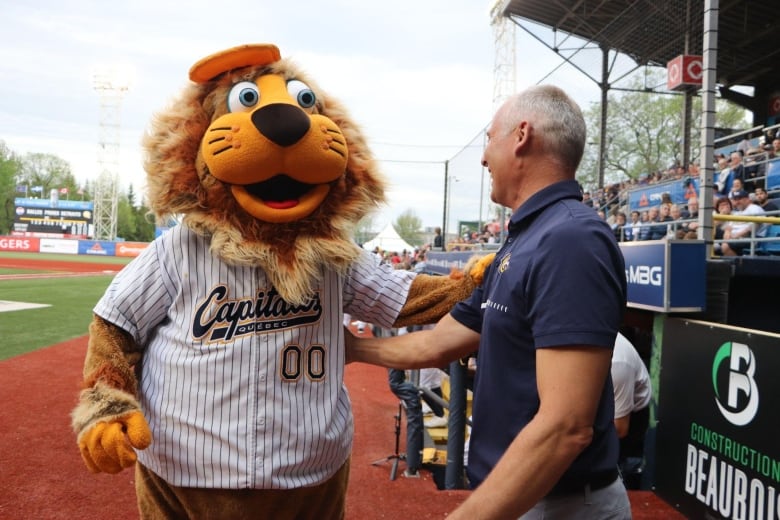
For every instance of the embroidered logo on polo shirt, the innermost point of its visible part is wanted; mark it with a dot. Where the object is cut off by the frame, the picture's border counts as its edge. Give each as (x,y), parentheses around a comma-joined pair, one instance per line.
(504,265)
(497,306)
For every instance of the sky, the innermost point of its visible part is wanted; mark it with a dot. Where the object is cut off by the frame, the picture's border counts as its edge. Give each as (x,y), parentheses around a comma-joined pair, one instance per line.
(417,76)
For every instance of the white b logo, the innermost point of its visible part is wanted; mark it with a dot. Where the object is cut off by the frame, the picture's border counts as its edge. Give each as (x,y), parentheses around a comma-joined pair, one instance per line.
(742,368)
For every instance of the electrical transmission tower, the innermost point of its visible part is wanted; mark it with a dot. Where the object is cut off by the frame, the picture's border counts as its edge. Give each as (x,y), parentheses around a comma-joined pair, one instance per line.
(111,89)
(504,77)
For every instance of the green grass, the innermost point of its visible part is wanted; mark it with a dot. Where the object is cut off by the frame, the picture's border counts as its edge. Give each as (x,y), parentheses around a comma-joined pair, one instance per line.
(71,300)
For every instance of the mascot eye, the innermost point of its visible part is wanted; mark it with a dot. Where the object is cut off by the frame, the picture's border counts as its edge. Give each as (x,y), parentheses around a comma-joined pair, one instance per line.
(242,96)
(302,93)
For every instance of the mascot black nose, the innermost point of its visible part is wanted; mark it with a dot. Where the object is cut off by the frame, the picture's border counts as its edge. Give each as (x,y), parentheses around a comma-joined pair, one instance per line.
(283,124)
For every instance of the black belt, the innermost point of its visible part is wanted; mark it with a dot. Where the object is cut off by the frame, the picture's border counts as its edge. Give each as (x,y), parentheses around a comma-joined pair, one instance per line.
(594,481)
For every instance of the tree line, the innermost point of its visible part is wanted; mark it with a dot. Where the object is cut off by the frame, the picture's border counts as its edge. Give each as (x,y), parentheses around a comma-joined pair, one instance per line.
(644,133)
(38,173)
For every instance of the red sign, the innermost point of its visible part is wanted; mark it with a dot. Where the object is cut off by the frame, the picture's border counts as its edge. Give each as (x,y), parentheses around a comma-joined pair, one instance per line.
(19,244)
(684,71)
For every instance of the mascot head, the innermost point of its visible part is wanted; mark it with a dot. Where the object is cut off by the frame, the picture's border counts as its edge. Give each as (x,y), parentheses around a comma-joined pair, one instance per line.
(256,156)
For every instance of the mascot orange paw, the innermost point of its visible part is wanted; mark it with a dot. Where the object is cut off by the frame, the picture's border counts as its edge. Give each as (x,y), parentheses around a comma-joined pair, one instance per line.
(109,447)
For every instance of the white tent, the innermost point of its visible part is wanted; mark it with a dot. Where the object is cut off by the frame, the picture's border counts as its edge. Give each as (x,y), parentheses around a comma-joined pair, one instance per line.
(388,240)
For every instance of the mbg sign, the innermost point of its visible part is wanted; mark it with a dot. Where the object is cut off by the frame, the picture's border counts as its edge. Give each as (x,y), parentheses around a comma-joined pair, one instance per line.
(645,275)
(665,275)
(717,454)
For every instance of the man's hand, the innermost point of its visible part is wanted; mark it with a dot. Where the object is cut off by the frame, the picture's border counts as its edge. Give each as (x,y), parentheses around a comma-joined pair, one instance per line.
(109,446)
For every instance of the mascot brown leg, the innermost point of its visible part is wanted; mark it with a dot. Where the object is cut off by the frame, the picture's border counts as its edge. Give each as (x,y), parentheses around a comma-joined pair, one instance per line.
(158,500)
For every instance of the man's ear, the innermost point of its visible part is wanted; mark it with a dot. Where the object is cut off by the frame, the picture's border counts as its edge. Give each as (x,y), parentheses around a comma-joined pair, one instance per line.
(522,136)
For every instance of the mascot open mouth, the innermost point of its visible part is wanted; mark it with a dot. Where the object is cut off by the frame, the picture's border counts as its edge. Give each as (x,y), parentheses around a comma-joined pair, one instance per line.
(279,192)
(280,199)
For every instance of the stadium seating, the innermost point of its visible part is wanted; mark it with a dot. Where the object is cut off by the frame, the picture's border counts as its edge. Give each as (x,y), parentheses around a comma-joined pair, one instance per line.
(771,247)
(773,175)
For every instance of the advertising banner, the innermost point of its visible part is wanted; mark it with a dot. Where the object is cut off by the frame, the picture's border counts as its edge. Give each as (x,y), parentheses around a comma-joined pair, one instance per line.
(640,199)
(444,263)
(130,249)
(666,275)
(97,247)
(30,245)
(717,454)
(59,245)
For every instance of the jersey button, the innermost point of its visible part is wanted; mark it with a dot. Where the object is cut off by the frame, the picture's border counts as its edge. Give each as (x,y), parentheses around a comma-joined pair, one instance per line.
(262,377)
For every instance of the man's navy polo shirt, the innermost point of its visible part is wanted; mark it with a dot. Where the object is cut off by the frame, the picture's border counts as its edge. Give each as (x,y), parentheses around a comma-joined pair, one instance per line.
(559,279)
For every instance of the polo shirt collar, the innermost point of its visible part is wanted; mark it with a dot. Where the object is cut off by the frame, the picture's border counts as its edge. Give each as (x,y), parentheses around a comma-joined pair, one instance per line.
(569,189)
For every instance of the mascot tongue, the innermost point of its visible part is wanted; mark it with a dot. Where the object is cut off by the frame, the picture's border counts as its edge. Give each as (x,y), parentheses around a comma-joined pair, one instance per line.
(281,204)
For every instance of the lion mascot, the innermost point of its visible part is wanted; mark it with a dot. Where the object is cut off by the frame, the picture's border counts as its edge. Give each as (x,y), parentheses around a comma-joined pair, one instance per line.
(215,362)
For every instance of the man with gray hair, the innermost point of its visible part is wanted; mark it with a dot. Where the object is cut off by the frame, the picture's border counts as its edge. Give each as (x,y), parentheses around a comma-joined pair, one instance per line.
(543,442)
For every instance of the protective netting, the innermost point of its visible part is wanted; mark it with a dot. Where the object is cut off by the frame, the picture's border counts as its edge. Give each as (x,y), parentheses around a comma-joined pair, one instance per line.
(469,191)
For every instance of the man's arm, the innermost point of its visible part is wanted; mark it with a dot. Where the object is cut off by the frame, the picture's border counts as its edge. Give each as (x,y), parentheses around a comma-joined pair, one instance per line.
(622,425)
(623,381)
(570,381)
(436,347)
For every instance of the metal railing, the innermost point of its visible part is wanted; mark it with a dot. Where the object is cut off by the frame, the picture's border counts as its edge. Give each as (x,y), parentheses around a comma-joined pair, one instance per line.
(754,239)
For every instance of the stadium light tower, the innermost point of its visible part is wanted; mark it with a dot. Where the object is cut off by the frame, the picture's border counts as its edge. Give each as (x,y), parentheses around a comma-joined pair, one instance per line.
(505,61)
(111,85)
(504,67)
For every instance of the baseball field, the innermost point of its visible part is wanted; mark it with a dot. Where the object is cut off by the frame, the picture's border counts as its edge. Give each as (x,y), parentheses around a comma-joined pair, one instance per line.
(45,307)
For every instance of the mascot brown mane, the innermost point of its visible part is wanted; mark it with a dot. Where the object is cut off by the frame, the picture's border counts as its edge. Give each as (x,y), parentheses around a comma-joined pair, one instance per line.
(280,181)
(243,302)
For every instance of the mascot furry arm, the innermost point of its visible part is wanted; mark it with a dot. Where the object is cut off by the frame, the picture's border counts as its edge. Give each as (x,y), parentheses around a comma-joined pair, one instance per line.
(271,174)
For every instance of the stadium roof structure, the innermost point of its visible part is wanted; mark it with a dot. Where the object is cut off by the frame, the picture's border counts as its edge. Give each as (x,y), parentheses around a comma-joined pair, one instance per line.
(652,32)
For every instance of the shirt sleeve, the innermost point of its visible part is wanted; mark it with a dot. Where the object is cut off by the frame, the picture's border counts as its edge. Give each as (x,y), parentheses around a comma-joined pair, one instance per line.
(138,298)
(376,292)
(623,383)
(576,287)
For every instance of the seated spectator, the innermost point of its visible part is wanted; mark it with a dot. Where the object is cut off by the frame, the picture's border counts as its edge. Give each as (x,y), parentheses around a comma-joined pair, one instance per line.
(736,186)
(688,229)
(676,214)
(762,199)
(420,264)
(775,152)
(736,235)
(633,392)
(755,169)
(662,216)
(722,207)
(736,167)
(586,199)
(632,229)
(647,218)
(622,232)
(722,186)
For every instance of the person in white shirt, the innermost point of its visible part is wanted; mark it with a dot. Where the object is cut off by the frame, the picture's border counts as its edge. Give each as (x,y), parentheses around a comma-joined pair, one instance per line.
(632,411)
(736,235)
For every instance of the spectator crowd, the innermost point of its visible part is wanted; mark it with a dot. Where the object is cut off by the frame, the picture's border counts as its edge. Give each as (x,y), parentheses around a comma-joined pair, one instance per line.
(740,189)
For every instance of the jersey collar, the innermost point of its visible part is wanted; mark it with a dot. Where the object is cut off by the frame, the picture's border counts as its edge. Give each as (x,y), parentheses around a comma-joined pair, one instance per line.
(569,189)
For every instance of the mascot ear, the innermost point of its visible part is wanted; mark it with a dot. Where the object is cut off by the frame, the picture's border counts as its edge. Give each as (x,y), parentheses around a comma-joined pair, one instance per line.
(234,58)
